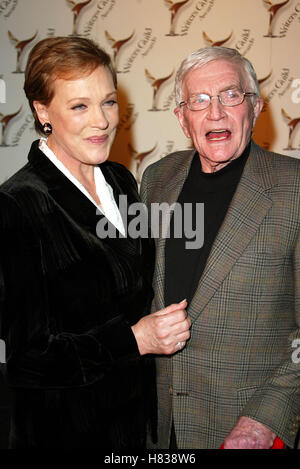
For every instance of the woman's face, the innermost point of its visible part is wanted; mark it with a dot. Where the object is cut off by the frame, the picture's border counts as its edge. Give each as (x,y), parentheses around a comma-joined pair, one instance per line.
(84,117)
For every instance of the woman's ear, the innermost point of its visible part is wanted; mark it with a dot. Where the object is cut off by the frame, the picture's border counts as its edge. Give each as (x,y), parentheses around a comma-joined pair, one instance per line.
(42,112)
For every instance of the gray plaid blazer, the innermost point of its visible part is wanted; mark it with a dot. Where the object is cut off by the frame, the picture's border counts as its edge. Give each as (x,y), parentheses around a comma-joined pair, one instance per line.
(241,358)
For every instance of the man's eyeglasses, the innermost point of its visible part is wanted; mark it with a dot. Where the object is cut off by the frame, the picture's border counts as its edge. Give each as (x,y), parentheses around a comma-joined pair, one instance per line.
(226,98)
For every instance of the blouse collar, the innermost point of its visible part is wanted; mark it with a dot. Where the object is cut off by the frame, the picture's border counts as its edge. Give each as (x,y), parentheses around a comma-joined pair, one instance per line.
(104,191)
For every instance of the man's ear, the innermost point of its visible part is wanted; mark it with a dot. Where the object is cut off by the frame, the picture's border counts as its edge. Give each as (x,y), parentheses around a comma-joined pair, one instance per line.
(42,111)
(179,113)
(257,108)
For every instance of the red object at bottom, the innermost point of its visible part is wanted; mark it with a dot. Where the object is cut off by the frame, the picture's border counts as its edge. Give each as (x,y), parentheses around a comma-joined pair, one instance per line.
(278,444)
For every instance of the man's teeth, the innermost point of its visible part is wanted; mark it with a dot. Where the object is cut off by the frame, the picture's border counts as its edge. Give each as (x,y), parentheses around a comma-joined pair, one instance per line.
(221,134)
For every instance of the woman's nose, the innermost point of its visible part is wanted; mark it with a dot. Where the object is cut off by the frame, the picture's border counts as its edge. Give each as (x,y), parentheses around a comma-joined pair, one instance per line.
(99,119)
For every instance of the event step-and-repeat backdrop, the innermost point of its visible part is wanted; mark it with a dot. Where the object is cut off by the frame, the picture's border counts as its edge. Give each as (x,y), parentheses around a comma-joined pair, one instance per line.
(147,40)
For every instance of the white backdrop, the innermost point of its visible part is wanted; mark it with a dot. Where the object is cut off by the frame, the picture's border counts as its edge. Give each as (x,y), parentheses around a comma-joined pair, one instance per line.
(147,40)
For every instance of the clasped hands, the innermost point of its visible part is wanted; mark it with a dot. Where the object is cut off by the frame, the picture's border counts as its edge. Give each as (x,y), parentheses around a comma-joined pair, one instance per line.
(160,333)
(163,332)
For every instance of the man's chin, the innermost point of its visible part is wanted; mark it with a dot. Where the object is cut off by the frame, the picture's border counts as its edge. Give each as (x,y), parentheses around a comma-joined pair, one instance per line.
(213,162)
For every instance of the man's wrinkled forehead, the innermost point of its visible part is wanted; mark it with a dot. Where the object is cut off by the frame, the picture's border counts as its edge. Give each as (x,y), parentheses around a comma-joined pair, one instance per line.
(223,70)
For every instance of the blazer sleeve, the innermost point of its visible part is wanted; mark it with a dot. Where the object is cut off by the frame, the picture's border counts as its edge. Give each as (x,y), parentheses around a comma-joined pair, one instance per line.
(53,360)
(276,403)
(144,187)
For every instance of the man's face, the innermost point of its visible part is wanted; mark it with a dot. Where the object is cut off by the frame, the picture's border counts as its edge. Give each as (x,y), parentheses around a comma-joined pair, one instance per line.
(219,133)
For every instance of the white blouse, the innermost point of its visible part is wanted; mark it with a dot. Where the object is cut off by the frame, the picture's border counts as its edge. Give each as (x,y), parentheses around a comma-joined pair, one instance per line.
(104,191)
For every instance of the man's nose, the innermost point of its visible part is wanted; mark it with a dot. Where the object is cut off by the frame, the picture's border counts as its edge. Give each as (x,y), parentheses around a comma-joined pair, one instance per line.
(215,110)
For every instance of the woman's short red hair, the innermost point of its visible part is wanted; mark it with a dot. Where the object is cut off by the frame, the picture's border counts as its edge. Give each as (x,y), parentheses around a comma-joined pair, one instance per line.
(65,57)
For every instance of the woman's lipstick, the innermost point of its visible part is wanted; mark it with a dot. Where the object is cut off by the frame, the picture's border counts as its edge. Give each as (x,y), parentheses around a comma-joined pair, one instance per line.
(97,139)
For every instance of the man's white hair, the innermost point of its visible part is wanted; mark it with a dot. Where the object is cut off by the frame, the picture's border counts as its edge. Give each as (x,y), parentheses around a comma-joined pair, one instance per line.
(207,54)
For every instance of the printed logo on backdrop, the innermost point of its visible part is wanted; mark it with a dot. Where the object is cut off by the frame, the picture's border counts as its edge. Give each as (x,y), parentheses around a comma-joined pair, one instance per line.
(28,122)
(7,7)
(156,84)
(174,8)
(116,45)
(139,158)
(143,46)
(127,119)
(262,81)
(104,7)
(169,148)
(245,42)
(274,10)
(294,15)
(76,8)
(292,123)
(213,43)
(201,10)
(280,86)
(20,46)
(5,121)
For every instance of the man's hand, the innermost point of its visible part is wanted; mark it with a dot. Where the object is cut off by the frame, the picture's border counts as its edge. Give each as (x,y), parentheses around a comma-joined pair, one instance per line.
(162,331)
(249,434)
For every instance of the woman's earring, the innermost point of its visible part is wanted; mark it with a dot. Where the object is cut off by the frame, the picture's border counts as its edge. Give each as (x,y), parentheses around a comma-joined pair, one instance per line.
(47,128)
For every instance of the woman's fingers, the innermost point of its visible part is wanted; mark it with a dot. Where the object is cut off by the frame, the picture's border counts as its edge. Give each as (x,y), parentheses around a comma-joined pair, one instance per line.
(163,332)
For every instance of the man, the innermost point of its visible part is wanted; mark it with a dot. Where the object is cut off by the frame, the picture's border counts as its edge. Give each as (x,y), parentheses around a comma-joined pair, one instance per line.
(237,380)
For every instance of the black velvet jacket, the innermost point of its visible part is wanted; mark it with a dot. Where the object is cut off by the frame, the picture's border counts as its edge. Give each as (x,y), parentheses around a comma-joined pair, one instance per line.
(67,302)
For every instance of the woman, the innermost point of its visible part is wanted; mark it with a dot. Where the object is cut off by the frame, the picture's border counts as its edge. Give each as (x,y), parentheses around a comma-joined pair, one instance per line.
(74,306)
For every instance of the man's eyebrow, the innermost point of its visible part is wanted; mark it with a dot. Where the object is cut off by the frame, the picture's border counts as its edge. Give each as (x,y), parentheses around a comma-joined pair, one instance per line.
(231,87)
(227,88)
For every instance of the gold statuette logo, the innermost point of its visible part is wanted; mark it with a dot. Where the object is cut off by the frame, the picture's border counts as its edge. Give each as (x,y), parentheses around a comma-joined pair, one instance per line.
(76,9)
(215,43)
(116,45)
(19,46)
(4,121)
(156,83)
(273,11)
(139,158)
(261,81)
(292,124)
(174,9)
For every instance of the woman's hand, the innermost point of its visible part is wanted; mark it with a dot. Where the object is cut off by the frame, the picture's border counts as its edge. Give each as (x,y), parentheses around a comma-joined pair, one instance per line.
(163,332)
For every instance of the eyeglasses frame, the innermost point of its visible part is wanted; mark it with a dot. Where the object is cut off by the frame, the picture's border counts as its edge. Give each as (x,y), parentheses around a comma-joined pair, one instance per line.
(245,93)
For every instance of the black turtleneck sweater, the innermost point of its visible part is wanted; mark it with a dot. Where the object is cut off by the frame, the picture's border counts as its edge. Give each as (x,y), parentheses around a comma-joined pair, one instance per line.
(184,267)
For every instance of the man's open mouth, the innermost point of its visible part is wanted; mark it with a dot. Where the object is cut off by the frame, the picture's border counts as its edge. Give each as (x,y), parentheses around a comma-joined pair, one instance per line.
(217,135)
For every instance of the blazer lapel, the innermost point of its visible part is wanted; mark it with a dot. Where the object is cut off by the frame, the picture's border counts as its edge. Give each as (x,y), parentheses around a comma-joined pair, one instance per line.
(247,210)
